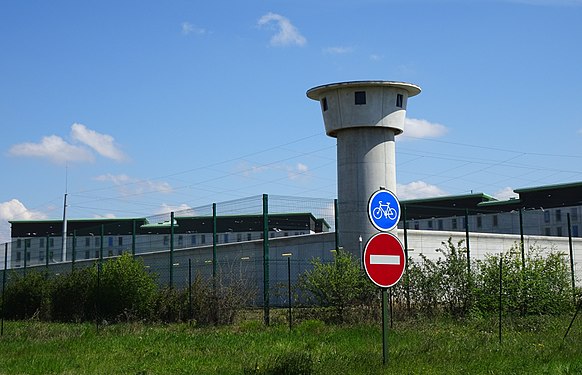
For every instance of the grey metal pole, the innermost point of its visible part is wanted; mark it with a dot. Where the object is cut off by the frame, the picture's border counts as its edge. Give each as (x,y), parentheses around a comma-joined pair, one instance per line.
(189,291)
(467,241)
(73,255)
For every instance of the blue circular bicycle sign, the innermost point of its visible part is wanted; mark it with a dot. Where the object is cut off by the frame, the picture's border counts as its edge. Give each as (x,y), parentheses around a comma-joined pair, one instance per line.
(384,210)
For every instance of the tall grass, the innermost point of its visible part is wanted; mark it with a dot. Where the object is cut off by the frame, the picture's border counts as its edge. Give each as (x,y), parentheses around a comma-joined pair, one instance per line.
(530,345)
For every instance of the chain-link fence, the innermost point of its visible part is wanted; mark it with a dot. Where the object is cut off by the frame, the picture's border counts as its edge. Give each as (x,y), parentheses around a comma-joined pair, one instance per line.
(267,242)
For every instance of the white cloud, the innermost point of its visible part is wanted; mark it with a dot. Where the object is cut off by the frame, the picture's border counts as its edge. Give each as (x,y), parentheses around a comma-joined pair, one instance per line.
(132,186)
(60,151)
(14,210)
(375,57)
(505,194)
(104,144)
(338,50)
(287,34)
(297,171)
(165,208)
(415,128)
(188,28)
(53,148)
(418,190)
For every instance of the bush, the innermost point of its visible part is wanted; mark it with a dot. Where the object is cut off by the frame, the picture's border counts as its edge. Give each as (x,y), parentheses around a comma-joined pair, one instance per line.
(73,296)
(126,291)
(543,286)
(27,296)
(339,285)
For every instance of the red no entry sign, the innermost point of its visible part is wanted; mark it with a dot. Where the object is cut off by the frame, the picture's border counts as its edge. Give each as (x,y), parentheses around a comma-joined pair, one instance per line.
(384,259)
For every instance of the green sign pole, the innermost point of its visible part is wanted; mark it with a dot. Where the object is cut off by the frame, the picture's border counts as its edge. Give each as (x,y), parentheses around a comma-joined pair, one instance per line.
(384,326)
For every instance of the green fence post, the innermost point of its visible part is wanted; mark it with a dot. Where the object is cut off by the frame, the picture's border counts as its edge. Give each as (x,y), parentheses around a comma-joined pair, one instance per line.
(73,255)
(133,237)
(171,250)
(336,219)
(467,241)
(25,257)
(214,241)
(190,291)
(101,236)
(46,255)
(571,256)
(522,247)
(406,275)
(266,259)
(500,292)
(4,284)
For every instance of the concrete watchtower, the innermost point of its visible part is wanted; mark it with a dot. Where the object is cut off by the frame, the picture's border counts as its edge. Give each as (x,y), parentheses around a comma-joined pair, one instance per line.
(364,116)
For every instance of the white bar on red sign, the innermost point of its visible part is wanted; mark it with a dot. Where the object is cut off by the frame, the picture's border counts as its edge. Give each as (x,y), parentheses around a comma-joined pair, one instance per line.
(384,259)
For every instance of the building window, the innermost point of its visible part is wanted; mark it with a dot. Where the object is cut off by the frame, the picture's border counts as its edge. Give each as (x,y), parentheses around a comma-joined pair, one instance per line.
(193,240)
(558,215)
(120,241)
(440,224)
(479,221)
(575,231)
(41,242)
(18,256)
(324,104)
(87,241)
(87,254)
(180,240)
(96,253)
(110,241)
(416,225)
(166,240)
(225,237)
(454,223)
(238,237)
(548,231)
(574,214)
(495,220)
(559,231)
(430,224)
(18,243)
(203,239)
(28,256)
(41,255)
(399,100)
(546,216)
(360,97)
(97,242)
(249,236)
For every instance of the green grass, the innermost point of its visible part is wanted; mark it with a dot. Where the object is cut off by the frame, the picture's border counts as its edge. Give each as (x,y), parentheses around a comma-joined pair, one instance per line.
(530,346)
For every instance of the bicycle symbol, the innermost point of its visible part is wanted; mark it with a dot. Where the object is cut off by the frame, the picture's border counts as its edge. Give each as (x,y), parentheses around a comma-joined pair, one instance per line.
(384,209)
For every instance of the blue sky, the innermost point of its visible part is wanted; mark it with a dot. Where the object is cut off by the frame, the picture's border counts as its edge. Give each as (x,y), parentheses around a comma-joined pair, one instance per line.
(143,107)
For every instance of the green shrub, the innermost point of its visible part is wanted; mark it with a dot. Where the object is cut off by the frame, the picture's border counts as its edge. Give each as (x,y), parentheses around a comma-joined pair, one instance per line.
(339,285)
(73,296)
(542,286)
(126,291)
(27,296)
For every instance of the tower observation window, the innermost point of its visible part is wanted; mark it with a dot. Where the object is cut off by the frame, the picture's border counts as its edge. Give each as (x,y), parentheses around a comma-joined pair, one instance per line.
(324,104)
(399,100)
(360,97)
